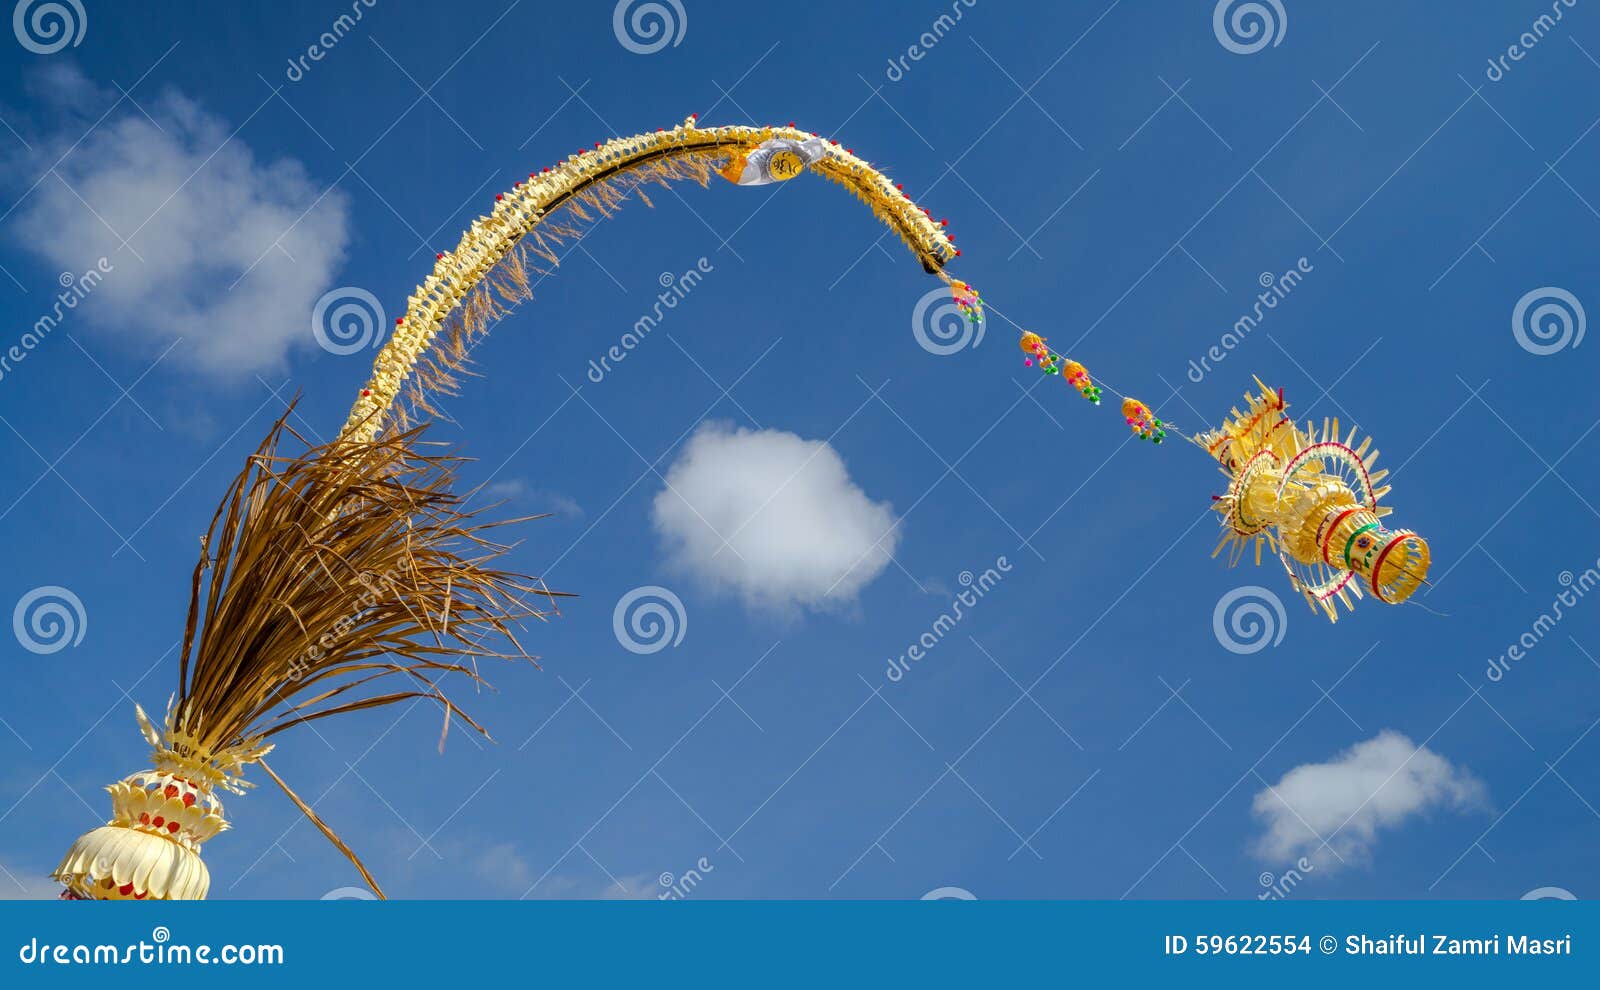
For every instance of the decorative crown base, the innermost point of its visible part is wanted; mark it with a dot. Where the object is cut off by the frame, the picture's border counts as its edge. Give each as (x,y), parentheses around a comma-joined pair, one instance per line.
(119,863)
(150,849)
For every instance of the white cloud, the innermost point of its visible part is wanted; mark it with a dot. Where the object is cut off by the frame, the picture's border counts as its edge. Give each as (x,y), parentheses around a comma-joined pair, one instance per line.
(1374,785)
(799,532)
(235,251)
(540,500)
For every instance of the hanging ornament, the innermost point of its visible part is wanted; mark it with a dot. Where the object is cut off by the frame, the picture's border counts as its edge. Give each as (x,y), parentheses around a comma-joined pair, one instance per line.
(1143,422)
(1078,377)
(1034,344)
(967,300)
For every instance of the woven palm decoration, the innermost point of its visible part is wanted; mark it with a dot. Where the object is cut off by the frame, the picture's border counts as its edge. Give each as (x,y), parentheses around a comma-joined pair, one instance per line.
(1312,496)
(332,580)
(349,576)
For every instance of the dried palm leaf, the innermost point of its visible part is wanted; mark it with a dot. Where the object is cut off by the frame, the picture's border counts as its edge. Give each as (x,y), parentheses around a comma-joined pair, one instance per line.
(323,572)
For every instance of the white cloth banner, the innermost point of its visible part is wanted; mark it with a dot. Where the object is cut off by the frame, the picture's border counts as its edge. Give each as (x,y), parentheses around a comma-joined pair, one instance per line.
(774,160)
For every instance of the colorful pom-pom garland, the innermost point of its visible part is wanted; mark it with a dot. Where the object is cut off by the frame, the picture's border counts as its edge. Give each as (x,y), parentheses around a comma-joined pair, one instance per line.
(1144,423)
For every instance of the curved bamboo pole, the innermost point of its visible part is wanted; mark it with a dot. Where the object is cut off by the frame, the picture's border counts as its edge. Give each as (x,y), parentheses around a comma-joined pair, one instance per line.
(520,211)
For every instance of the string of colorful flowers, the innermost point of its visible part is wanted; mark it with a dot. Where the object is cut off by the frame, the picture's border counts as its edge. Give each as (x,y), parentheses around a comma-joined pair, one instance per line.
(1144,423)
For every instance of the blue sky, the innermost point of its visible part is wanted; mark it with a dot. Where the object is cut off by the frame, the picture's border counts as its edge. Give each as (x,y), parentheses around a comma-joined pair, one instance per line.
(1117,177)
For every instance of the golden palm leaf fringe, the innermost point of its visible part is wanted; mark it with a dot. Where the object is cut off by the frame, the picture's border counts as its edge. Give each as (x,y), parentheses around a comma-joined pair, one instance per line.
(492,266)
(527,261)
(323,572)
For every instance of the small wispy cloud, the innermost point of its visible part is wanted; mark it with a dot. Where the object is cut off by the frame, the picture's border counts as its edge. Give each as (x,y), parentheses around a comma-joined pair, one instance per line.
(17,884)
(538,500)
(502,865)
(634,887)
(1343,804)
(505,870)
